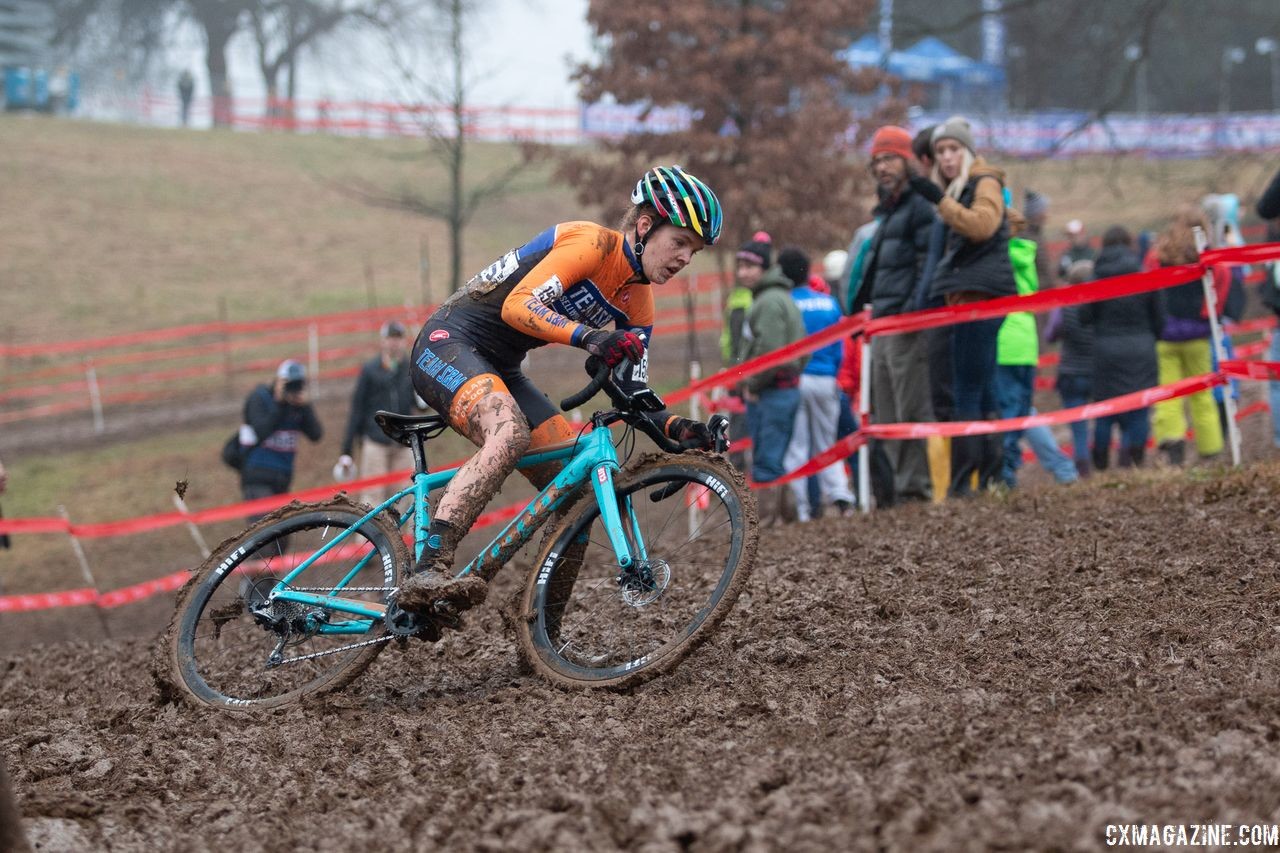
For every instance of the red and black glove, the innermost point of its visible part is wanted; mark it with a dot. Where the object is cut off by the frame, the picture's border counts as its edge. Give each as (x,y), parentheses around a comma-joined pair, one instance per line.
(690,433)
(614,347)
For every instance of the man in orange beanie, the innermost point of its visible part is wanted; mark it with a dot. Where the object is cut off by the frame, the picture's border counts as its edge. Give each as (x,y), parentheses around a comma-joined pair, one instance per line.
(891,279)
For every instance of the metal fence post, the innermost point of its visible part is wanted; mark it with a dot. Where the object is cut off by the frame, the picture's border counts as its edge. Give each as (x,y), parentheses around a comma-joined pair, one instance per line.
(1219,349)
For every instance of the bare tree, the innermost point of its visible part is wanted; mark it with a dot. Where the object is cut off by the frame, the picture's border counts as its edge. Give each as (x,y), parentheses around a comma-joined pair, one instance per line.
(429,44)
(282,28)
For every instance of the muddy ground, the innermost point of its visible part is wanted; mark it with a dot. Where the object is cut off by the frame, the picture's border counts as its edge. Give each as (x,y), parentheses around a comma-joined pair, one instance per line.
(1007,673)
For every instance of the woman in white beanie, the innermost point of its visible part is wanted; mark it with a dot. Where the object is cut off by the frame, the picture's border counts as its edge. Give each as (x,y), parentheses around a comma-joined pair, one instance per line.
(975,266)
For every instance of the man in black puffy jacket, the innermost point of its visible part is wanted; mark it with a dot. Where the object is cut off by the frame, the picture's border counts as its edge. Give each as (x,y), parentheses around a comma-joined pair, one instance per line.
(384,384)
(892,278)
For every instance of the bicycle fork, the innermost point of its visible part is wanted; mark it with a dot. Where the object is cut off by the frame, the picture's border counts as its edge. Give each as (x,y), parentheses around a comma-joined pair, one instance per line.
(624,533)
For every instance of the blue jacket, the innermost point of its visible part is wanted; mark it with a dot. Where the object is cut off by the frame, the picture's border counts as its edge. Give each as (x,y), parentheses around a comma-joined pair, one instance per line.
(818,311)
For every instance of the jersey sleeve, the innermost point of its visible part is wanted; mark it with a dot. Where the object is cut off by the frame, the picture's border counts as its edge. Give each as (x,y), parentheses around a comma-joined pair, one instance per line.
(576,254)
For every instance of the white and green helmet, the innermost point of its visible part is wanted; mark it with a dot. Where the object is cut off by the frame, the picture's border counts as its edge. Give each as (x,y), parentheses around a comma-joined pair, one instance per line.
(681,199)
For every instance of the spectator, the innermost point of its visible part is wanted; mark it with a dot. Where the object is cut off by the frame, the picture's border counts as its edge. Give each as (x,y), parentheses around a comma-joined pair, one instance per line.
(1078,248)
(384,384)
(1075,368)
(938,339)
(186,88)
(834,263)
(855,265)
(1184,348)
(819,411)
(276,415)
(755,256)
(1124,350)
(899,363)
(974,267)
(1269,209)
(1269,203)
(1035,208)
(772,395)
(1017,355)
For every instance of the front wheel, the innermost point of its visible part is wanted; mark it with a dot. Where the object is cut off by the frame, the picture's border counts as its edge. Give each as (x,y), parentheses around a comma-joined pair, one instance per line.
(231,646)
(691,526)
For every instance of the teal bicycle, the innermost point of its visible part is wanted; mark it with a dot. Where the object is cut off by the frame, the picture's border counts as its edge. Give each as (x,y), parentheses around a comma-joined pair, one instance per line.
(646,559)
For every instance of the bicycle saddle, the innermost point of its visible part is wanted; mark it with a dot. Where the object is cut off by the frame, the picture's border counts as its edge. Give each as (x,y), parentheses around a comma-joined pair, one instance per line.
(399,427)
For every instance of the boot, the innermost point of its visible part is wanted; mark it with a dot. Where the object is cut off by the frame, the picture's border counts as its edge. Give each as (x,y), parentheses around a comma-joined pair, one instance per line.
(1101,454)
(1175,451)
(1084,468)
(433,591)
(1138,454)
(966,453)
(991,463)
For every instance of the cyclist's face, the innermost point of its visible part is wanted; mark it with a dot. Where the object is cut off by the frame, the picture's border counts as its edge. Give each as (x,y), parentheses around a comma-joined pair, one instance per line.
(667,251)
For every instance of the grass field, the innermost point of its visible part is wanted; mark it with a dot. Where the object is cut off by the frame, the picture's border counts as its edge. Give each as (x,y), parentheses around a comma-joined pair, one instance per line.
(110,228)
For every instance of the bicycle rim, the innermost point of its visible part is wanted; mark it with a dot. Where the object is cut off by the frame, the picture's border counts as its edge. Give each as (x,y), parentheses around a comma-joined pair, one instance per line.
(594,624)
(223,651)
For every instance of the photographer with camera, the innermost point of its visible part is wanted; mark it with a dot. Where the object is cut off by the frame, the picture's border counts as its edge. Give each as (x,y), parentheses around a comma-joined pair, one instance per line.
(276,415)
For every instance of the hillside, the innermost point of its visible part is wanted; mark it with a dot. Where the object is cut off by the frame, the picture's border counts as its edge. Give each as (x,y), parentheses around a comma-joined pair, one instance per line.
(111,228)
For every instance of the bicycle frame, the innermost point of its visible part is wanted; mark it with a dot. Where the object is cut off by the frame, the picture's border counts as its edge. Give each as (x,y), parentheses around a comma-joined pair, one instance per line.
(593,457)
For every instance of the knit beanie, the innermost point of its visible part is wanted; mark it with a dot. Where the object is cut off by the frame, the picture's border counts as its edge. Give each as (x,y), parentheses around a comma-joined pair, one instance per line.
(1034,204)
(794,265)
(891,140)
(756,252)
(957,128)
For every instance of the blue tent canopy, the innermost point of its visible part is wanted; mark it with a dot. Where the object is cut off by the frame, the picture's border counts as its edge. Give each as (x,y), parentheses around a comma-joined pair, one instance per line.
(929,60)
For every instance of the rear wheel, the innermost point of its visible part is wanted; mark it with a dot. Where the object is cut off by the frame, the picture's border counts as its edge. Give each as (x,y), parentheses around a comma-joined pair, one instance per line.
(586,623)
(231,647)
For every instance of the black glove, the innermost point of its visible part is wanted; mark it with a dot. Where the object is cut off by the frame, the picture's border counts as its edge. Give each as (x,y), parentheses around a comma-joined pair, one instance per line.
(690,433)
(926,188)
(613,347)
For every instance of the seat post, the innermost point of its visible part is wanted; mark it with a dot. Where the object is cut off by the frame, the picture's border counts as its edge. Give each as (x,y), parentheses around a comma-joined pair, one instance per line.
(419,448)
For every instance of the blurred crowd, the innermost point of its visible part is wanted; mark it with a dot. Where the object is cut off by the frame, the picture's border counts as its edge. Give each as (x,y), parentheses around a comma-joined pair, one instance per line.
(945,231)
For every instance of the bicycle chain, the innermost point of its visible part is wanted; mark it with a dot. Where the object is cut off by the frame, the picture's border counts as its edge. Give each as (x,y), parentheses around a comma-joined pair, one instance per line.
(346,648)
(328,590)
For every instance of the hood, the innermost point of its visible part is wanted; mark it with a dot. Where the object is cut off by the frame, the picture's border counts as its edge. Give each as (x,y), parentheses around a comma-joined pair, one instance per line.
(982,167)
(772,277)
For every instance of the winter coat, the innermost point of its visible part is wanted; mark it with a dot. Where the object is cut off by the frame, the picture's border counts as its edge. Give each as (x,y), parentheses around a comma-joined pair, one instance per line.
(735,314)
(975,259)
(898,253)
(817,312)
(377,388)
(279,427)
(1124,331)
(773,322)
(1269,204)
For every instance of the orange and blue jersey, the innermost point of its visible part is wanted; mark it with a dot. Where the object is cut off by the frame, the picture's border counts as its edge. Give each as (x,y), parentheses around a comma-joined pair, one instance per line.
(569,280)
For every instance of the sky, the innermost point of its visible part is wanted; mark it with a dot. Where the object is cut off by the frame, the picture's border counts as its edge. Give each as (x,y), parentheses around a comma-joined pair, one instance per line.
(521,49)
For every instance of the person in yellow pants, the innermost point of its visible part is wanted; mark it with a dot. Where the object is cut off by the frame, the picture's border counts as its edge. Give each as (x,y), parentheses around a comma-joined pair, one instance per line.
(1184,347)
(1180,360)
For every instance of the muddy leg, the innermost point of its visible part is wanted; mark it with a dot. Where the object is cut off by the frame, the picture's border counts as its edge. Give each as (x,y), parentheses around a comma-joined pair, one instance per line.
(500,429)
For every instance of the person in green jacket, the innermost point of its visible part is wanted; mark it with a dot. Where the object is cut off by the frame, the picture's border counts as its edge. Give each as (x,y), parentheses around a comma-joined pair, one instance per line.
(773,395)
(753,259)
(1017,355)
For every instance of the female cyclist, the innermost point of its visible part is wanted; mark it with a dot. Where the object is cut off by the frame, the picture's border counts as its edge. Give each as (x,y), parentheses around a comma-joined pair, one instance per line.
(563,286)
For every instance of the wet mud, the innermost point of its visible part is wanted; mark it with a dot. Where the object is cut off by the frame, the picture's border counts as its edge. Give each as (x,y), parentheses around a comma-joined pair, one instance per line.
(1000,673)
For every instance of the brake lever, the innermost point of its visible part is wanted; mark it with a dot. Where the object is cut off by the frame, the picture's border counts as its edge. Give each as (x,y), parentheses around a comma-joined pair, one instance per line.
(719,426)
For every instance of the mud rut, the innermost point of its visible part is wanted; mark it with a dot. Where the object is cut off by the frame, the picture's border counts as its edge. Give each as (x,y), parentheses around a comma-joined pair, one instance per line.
(1008,673)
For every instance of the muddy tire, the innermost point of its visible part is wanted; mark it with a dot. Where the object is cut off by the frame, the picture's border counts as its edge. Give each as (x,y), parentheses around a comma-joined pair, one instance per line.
(217,651)
(581,622)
